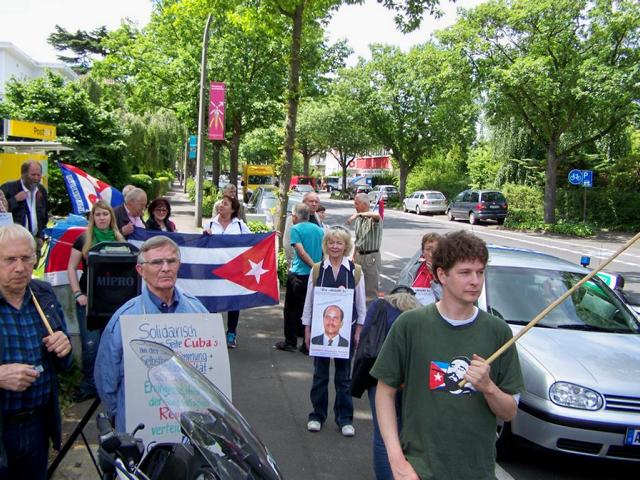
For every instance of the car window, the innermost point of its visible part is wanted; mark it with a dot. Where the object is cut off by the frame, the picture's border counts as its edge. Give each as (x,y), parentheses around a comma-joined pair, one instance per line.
(459,197)
(473,197)
(592,306)
(493,197)
(421,196)
(435,196)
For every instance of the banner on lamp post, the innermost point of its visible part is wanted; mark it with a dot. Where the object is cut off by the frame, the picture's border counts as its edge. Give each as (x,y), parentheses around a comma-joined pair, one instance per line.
(216,111)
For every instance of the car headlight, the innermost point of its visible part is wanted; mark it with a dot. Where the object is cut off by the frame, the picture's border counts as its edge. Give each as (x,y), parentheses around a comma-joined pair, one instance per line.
(574,396)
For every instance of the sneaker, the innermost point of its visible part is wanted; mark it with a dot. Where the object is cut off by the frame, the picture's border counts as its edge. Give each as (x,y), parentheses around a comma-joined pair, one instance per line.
(314,426)
(348,431)
(303,349)
(231,340)
(284,346)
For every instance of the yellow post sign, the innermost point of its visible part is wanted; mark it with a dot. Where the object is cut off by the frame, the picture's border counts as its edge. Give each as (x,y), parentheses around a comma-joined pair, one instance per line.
(38,131)
(10,166)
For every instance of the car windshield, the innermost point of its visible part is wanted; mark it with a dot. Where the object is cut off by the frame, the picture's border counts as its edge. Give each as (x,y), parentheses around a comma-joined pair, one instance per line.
(493,197)
(518,294)
(260,180)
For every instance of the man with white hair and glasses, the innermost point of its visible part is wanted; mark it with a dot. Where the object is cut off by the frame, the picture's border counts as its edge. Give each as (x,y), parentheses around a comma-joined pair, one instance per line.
(158,265)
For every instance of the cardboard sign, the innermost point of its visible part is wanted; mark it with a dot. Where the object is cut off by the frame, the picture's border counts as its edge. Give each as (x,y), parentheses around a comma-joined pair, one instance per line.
(198,338)
(424,295)
(331,322)
(6,219)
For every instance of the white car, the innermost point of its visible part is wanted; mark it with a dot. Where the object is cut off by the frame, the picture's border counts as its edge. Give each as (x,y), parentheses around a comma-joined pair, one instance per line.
(425,201)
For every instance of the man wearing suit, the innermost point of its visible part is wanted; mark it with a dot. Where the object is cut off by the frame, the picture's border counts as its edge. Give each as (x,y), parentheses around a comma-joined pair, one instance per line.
(129,215)
(27,200)
(332,318)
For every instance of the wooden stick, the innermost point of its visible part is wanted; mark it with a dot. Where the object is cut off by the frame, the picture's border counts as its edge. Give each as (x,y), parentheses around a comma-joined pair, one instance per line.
(557,302)
(41,313)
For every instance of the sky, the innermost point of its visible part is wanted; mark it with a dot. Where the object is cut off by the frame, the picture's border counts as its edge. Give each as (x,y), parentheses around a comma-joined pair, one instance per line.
(28,23)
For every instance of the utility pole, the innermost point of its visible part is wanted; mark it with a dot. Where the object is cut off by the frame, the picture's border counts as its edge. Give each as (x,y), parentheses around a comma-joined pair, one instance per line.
(201,124)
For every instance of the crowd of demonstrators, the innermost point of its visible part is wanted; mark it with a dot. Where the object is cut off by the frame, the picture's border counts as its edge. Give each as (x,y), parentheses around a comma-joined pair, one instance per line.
(427,352)
(226,222)
(27,201)
(380,317)
(368,239)
(101,228)
(159,212)
(306,240)
(30,354)
(336,271)
(158,265)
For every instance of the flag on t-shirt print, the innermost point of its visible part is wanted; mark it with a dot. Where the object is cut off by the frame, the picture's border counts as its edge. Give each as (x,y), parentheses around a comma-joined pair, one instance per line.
(437,373)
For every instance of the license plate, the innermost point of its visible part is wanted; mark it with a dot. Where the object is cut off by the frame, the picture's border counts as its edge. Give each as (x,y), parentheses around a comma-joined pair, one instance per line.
(494,206)
(632,437)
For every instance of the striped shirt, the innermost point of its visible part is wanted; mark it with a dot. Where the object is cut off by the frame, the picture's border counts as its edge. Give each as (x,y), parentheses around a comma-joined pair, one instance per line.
(21,333)
(368,234)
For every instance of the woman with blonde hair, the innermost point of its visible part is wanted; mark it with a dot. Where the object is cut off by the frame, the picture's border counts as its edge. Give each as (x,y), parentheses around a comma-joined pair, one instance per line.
(102,228)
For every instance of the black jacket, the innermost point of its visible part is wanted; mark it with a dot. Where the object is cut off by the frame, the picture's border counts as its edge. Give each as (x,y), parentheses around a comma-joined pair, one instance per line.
(49,304)
(20,210)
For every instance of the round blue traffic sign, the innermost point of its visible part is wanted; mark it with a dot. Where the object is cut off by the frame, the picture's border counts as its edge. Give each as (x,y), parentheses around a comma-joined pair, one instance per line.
(575,177)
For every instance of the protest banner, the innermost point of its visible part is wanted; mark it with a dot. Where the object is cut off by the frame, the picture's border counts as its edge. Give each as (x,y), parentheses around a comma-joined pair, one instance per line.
(424,295)
(5,219)
(331,322)
(198,339)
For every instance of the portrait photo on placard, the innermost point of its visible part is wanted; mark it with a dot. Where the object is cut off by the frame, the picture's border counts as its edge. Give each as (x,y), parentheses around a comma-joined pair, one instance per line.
(331,322)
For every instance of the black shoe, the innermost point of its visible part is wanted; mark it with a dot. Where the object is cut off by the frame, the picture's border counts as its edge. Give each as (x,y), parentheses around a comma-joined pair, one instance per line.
(303,349)
(284,346)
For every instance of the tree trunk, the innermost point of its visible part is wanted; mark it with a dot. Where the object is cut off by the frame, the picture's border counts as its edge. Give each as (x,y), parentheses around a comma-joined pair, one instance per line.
(215,163)
(234,150)
(404,173)
(305,164)
(292,116)
(344,177)
(551,178)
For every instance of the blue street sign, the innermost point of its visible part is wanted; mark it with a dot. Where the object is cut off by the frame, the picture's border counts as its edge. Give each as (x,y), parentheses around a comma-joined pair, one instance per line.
(575,177)
(193,147)
(587,178)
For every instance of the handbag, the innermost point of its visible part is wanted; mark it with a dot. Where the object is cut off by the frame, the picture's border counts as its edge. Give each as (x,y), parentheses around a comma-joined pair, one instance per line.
(369,347)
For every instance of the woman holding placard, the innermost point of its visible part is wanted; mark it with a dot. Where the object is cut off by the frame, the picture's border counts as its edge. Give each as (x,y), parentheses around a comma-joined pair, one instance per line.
(334,312)
(102,228)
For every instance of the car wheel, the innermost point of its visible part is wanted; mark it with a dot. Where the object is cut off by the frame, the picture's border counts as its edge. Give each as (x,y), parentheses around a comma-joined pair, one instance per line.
(504,441)
(500,221)
(473,220)
(450,215)
(418,212)
(404,208)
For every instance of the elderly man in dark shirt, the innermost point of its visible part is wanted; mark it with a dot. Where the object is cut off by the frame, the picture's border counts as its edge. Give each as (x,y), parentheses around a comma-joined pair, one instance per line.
(30,351)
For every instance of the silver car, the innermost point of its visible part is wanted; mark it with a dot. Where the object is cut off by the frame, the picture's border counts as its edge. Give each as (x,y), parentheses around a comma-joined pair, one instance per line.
(581,363)
(425,201)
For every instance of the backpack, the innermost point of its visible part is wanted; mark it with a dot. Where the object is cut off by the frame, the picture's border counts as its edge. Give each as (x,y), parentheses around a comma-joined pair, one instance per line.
(371,341)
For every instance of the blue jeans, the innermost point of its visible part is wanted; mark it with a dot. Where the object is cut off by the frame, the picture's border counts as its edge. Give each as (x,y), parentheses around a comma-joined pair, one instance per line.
(381,466)
(27,447)
(90,340)
(343,405)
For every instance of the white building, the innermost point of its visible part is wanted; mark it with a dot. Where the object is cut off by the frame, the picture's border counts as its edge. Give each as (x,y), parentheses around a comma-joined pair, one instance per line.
(14,63)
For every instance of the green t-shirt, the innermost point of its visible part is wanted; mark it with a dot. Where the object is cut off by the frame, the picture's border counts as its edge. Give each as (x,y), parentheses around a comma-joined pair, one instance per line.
(446,433)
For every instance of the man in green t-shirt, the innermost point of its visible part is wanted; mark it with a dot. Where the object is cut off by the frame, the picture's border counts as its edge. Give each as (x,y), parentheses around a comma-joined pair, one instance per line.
(427,352)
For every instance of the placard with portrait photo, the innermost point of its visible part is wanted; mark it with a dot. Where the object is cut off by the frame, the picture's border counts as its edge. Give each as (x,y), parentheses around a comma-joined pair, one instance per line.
(331,322)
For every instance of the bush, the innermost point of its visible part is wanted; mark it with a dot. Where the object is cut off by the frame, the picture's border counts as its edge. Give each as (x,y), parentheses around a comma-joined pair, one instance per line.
(144,182)
(385,179)
(161,185)
(258,227)
(283,268)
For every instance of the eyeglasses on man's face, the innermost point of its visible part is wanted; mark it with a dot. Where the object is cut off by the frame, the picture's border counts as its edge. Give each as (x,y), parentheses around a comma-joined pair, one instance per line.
(158,262)
(29,261)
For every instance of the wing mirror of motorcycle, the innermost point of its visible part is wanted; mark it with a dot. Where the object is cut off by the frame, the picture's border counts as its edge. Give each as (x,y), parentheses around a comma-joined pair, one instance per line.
(139,427)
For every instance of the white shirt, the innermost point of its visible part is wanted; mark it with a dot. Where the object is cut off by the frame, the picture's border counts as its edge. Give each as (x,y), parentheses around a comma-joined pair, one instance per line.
(236,227)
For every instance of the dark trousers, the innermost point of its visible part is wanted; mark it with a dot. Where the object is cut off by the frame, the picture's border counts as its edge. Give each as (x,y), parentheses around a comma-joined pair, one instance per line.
(232,321)
(90,340)
(293,306)
(343,404)
(27,449)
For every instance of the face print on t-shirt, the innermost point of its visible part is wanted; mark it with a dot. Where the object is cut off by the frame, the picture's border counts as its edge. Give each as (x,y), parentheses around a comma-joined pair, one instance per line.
(446,376)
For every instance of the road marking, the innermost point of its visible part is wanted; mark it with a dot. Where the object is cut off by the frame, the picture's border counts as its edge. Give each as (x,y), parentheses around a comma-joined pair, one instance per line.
(387,277)
(392,255)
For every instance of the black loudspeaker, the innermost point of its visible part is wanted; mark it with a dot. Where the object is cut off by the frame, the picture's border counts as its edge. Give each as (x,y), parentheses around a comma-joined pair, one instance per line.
(112,280)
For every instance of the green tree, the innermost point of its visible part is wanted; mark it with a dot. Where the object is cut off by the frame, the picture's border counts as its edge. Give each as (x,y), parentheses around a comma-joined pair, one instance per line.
(83,46)
(308,142)
(566,69)
(416,104)
(93,132)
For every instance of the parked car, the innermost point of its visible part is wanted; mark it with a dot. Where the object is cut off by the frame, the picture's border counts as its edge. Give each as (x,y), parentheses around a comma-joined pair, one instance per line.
(302,188)
(333,183)
(389,192)
(356,189)
(264,201)
(425,201)
(479,205)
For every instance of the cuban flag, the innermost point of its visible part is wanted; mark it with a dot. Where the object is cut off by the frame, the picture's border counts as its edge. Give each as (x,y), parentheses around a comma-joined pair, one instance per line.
(225,272)
(62,235)
(437,374)
(85,190)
